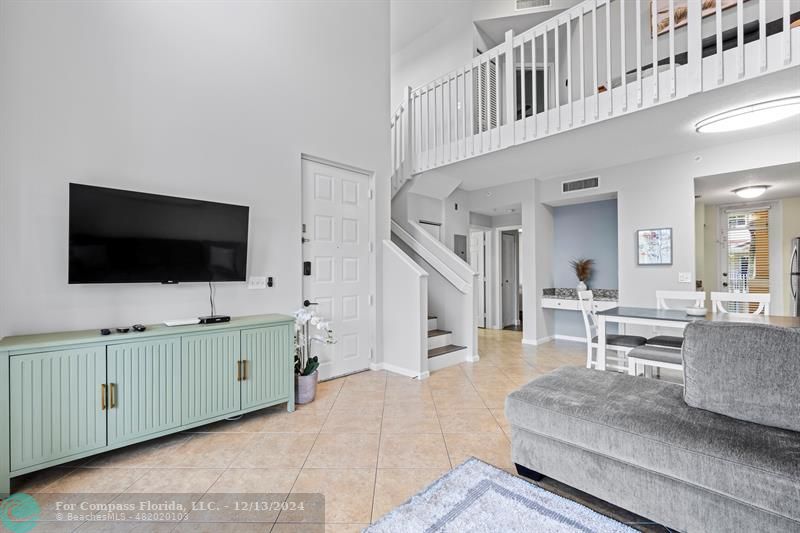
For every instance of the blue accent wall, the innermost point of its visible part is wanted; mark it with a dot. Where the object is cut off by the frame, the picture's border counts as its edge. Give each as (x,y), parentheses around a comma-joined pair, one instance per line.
(584,231)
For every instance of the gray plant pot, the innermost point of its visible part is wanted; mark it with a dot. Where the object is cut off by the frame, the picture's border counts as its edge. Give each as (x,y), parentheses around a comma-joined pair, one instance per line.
(305,388)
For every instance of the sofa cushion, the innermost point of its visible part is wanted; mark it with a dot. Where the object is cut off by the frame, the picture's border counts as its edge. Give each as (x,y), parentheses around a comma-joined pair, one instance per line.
(746,371)
(646,423)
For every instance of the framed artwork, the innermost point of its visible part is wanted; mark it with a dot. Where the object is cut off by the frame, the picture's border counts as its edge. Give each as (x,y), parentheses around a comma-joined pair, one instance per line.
(708,8)
(655,246)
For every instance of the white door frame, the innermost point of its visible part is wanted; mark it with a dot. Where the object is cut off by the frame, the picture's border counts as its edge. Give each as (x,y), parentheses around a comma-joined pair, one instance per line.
(497,272)
(373,269)
(489,296)
(776,281)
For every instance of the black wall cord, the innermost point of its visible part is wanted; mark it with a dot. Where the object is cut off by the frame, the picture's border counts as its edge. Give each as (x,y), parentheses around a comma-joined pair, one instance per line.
(211,297)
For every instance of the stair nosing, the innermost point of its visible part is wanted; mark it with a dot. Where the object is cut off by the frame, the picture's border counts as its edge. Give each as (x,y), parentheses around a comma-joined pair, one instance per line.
(449,348)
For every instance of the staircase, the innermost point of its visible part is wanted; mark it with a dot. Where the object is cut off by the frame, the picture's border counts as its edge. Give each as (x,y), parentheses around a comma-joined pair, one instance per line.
(441,350)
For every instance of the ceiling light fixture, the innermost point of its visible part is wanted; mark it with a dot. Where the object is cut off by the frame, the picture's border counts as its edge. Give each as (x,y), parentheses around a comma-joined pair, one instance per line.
(750,116)
(751,191)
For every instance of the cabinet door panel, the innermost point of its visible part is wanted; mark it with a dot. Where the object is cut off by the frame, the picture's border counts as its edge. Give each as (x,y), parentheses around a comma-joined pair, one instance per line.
(209,376)
(269,355)
(55,403)
(144,389)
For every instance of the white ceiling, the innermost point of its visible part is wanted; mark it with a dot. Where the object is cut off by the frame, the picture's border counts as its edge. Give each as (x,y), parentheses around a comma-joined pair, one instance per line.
(656,132)
(784,182)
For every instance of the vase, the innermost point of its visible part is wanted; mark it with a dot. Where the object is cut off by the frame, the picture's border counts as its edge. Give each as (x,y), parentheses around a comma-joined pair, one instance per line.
(305,388)
(581,286)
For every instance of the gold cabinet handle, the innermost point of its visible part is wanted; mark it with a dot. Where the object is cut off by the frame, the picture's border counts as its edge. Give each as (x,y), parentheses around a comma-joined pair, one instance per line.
(113,394)
(246,368)
(103,397)
(238,371)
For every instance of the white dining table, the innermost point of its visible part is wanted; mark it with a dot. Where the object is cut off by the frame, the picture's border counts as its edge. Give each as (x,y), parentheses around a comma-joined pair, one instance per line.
(672,318)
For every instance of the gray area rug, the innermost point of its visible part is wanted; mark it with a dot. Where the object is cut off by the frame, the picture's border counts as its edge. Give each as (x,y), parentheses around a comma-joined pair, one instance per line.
(478,497)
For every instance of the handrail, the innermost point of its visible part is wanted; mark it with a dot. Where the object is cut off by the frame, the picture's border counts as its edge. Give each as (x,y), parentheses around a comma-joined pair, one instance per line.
(433,259)
(596,60)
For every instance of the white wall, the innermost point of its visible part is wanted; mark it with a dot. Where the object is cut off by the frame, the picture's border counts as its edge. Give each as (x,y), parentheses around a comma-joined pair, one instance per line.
(660,193)
(209,100)
(434,53)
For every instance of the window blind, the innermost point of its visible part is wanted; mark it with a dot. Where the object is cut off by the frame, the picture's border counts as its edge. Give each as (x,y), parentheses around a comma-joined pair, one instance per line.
(747,253)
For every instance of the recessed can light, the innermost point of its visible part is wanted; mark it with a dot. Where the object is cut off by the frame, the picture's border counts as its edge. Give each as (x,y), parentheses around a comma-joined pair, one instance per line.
(750,116)
(751,191)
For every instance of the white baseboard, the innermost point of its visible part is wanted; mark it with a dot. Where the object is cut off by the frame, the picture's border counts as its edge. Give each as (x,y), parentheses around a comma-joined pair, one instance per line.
(570,338)
(398,370)
(537,342)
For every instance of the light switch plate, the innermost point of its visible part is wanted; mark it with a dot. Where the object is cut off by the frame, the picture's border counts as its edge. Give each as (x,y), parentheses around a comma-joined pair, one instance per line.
(684,277)
(257,282)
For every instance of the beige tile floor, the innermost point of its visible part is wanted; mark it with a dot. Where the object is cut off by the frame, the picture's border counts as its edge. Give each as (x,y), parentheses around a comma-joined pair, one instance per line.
(368,442)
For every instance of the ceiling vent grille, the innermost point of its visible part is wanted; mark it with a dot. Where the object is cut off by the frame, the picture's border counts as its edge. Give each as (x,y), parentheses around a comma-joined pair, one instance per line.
(530,4)
(580,185)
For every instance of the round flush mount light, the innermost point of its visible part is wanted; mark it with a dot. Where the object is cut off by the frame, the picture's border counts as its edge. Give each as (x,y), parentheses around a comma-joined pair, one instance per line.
(750,116)
(751,191)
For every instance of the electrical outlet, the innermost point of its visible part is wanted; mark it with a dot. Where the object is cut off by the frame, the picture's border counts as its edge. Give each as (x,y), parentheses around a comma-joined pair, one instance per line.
(257,282)
(684,277)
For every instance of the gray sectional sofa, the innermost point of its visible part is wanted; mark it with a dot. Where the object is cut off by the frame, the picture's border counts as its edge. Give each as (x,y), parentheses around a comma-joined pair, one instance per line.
(723,454)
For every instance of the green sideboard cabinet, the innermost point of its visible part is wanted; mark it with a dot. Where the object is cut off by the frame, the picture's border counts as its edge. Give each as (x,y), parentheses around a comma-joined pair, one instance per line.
(144,385)
(76,394)
(210,365)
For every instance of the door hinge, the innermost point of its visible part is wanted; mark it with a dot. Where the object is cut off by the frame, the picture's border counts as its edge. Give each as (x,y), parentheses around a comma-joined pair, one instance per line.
(371,194)
(371,299)
(372,354)
(371,246)
(304,228)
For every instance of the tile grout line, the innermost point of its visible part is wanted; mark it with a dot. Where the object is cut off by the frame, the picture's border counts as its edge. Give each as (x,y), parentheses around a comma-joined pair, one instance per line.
(378,457)
(316,437)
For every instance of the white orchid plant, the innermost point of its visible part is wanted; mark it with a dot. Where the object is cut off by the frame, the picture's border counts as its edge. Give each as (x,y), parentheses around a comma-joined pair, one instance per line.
(309,327)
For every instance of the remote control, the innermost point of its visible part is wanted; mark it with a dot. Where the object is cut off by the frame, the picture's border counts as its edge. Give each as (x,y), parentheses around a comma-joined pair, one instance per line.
(139,328)
(105,331)
(123,330)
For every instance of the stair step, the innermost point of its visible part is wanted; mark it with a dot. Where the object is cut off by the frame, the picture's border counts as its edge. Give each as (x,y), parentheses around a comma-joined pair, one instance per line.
(444,350)
(437,332)
(431,317)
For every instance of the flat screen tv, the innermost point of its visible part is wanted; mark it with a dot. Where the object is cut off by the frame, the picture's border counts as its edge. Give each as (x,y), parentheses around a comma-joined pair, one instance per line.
(118,236)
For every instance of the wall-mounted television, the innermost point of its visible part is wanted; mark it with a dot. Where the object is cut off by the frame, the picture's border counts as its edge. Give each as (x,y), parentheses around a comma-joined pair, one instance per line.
(118,236)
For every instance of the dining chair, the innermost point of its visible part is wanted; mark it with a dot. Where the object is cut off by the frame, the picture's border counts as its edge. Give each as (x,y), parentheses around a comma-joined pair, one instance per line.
(621,344)
(718,299)
(663,301)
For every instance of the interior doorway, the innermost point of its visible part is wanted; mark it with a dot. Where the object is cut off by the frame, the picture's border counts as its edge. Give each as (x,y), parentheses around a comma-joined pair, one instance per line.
(510,286)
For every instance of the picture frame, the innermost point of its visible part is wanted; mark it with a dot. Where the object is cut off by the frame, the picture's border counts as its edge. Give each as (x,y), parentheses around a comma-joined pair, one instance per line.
(654,246)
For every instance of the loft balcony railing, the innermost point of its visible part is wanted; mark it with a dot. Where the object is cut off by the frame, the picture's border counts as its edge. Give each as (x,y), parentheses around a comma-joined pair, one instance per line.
(597,60)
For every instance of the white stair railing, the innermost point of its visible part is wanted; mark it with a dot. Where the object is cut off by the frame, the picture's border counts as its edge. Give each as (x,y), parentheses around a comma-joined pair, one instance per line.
(597,60)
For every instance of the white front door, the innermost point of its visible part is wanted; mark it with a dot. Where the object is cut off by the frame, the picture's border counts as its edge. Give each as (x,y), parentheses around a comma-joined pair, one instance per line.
(336,233)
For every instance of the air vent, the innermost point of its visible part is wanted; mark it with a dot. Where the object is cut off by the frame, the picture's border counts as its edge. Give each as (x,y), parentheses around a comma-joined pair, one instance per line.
(530,4)
(580,185)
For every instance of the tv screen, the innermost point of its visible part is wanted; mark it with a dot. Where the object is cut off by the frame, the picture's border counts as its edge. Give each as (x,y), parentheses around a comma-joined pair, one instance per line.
(118,236)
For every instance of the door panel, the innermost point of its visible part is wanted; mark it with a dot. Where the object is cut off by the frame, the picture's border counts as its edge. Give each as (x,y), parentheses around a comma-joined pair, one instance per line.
(336,221)
(268,355)
(510,284)
(56,405)
(209,379)
(144,383)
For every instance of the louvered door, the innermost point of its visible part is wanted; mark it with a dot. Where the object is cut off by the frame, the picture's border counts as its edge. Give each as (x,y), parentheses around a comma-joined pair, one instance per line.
(209,376)
(144,389)
(267,354)
(57,405)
